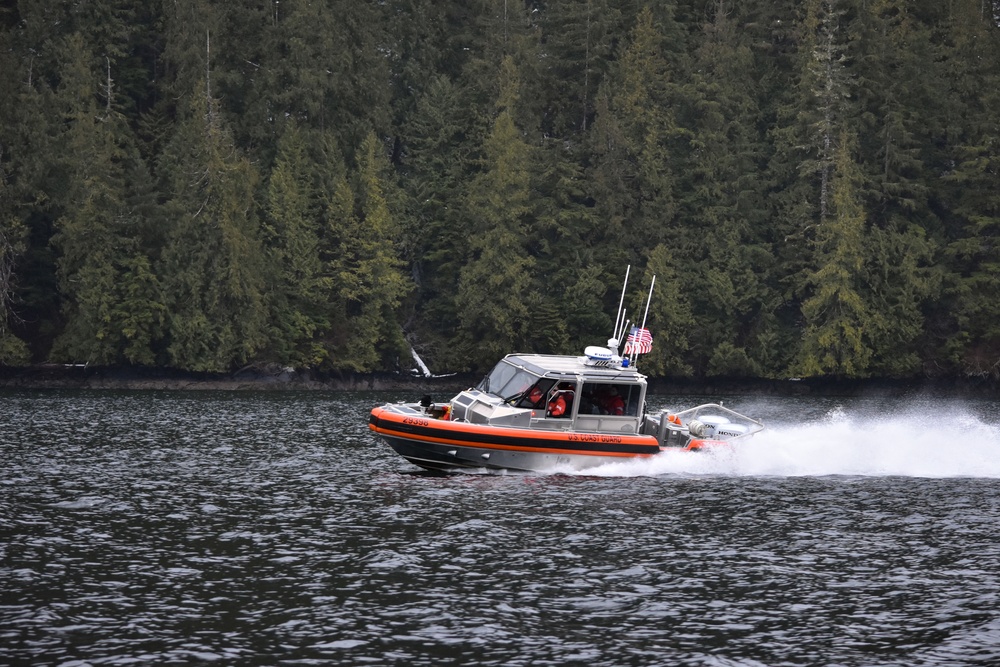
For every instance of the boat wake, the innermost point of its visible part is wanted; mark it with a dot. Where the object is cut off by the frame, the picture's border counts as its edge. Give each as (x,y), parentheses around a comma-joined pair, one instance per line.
(911,445)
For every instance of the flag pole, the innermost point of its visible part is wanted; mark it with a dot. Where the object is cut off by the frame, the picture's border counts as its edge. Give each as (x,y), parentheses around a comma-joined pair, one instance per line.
(620,316)
(648,299)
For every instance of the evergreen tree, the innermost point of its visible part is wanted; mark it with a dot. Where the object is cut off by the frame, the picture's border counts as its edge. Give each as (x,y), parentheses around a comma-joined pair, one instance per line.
(369,272)
(213,268)
(814,108)
(701,138)
(436,165)
(580,37)
(838,314)
(493,312)
(896,60)
(13,233)
(322,64)
(970,343)
(633,175)
(723,210)
(13,351)
(573,268)
(112,305)
(670,319)
(301,293)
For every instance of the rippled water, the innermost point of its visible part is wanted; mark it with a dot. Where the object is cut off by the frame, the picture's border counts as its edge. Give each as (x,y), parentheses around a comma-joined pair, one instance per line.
(267,529)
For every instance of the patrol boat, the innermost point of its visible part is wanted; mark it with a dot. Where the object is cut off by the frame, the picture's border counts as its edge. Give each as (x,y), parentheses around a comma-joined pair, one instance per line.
(553,413)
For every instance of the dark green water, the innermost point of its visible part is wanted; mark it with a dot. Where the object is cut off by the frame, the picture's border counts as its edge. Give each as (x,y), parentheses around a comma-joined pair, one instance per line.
(272,529)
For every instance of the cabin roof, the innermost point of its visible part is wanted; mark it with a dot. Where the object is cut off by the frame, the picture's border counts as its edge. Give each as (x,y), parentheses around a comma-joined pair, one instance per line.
(554,365)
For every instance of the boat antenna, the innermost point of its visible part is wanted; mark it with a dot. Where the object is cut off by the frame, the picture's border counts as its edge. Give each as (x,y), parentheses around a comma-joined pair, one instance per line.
(620,317)
(623,329)
(648,299)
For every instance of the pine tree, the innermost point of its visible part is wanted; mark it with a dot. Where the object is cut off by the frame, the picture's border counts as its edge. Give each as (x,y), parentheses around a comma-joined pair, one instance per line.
(969,159)
(13,233)
(13,351)
(579,40)
(670,318)
(301,291)
(896,57)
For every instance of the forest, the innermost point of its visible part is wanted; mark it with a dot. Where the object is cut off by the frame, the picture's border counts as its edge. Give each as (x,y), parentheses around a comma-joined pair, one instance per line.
(331,184)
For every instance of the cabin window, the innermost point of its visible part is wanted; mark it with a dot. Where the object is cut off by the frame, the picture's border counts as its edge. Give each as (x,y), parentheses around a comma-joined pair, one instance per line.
(507,381)
(537,395)
(601,398)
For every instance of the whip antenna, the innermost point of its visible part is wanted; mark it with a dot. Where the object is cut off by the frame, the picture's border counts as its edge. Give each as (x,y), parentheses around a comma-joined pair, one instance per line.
(620,317)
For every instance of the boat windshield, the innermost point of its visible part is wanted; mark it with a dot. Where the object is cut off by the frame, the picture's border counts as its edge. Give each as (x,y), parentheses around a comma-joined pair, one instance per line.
(507,381)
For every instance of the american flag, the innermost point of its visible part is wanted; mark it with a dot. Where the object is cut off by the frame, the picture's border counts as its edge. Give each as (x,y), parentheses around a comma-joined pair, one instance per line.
(639,341)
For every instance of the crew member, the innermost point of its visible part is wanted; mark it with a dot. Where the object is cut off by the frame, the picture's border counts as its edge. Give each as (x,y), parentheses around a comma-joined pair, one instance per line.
(613,403)
(562,401)
(535,396)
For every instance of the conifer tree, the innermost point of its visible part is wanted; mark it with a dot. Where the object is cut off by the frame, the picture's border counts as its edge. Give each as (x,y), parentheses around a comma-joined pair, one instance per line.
(437,162)
(970,136)
(13,232)
(498,273)
(213,268)
(369,273)
(670,318)
(579,39)
(723,208)
(838,314)
(13,351)
(301,292)
(112,305)
(574,268)
(634,130)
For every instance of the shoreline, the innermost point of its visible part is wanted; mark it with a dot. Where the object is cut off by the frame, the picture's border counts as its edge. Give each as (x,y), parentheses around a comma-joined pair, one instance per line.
(58,376)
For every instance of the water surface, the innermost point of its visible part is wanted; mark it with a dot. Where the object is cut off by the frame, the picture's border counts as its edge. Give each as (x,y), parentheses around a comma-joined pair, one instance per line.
(273,529)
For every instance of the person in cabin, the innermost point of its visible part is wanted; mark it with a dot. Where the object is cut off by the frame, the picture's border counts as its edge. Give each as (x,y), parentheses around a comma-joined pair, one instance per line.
(613,403)
(535,396)
(561,402)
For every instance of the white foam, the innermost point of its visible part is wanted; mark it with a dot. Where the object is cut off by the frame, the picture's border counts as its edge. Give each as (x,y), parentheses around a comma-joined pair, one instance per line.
(909,444)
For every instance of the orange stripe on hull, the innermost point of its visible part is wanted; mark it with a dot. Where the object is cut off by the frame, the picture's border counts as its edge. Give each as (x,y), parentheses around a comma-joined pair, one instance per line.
(602,444)
(516,448)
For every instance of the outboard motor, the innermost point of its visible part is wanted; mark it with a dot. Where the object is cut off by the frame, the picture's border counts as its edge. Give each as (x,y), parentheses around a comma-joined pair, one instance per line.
(706,426)
(728,431)
(716,427)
